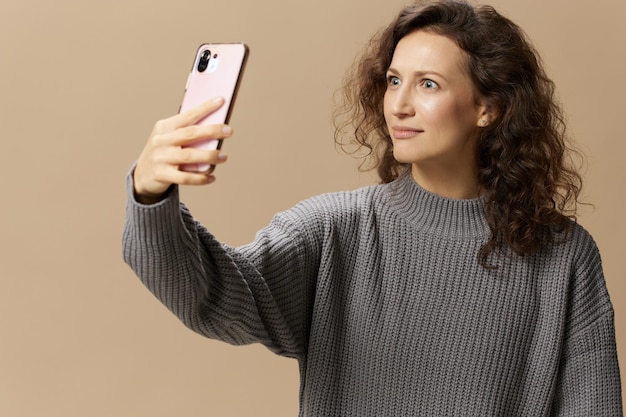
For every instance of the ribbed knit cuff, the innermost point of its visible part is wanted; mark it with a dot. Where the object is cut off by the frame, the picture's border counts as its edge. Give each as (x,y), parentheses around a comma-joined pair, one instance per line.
(156,222)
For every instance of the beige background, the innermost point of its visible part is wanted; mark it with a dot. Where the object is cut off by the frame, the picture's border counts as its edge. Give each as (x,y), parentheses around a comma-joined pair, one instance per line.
(81,85)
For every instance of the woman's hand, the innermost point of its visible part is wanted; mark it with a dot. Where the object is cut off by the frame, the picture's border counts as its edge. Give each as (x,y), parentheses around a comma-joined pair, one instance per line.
(158,165)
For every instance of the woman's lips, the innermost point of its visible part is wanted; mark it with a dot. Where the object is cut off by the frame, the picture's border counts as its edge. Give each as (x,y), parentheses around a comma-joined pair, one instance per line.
(403,132)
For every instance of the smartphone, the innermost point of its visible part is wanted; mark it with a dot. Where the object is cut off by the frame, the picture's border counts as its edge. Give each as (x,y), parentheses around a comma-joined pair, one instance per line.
(216,72)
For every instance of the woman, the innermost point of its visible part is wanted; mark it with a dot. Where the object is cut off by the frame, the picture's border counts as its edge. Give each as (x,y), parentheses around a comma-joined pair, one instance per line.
(458,286)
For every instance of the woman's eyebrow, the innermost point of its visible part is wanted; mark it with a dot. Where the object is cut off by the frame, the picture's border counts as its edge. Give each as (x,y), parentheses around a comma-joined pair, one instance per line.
(417,74)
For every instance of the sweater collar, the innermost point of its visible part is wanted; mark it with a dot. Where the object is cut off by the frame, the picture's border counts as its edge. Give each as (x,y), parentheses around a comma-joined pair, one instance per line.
(435,214)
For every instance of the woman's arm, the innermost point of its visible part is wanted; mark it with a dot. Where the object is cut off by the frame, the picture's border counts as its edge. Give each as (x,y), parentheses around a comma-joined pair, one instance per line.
(218,291)
(588,382)
(249,295)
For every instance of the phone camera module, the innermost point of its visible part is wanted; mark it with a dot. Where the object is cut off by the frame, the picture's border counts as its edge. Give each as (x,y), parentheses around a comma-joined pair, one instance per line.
(212,66)
(203,63)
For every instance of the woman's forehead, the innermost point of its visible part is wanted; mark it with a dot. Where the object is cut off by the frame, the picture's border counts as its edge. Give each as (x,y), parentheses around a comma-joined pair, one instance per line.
(426,51)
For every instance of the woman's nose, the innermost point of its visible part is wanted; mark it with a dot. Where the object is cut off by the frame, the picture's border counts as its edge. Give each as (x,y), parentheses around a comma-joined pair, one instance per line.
(402,105)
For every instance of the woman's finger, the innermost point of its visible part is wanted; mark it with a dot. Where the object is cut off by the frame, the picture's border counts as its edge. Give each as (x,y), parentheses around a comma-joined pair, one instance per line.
(185,136)
(197,113)
(184,156)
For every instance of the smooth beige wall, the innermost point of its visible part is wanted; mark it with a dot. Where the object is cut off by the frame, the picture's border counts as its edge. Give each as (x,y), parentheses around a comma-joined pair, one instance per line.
(82,84)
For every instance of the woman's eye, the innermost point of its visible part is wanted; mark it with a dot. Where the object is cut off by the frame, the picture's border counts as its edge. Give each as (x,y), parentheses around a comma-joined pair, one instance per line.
(392,80)
(430,84)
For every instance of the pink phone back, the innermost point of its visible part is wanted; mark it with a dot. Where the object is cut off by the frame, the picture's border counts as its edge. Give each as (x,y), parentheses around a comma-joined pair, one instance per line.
(219,79)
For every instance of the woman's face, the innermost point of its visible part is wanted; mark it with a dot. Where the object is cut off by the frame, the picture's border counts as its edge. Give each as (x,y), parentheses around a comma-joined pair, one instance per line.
(430,107)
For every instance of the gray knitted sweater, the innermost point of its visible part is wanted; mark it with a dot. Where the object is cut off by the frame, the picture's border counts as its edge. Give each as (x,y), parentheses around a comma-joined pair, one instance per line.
(379,296)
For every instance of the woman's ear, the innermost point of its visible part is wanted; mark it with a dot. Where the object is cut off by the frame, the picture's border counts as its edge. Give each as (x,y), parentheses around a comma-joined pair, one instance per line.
(488,113)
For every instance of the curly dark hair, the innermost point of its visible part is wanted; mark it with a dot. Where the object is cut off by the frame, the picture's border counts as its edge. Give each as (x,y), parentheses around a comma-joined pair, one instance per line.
(526,170)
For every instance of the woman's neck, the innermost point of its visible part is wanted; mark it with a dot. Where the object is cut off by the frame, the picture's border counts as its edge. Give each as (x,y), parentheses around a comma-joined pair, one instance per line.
(457,184)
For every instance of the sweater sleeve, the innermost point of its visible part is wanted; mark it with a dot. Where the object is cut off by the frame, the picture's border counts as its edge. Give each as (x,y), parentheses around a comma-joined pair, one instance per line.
(252,294)
(588,383)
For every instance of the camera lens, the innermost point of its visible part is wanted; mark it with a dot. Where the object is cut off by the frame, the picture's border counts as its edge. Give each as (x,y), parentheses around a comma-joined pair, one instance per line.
(203,63)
